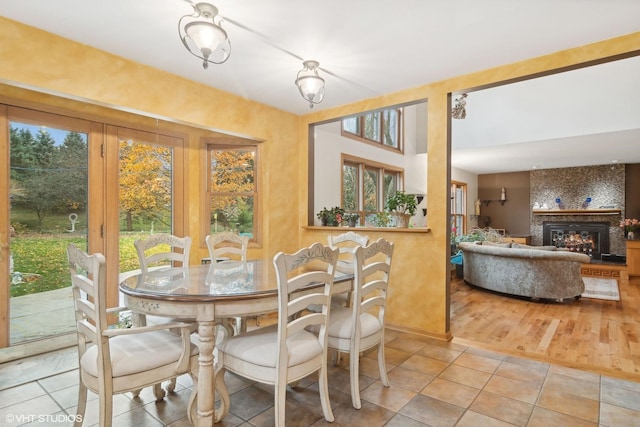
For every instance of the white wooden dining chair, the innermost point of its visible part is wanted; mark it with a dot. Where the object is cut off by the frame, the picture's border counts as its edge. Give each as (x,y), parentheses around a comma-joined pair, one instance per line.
(113,361)
(285,352)
(227,245)
(160,250)
(360,327)
(163,249)
(346,244)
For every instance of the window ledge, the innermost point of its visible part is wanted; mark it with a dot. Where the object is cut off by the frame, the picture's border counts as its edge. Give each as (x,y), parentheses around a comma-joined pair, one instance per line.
(356,229)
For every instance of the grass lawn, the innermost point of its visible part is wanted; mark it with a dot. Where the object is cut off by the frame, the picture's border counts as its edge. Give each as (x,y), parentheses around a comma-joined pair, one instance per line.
(41,256)
(46,256)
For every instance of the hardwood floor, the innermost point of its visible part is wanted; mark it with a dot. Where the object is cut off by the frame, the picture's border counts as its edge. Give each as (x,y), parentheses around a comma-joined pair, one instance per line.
(594,335)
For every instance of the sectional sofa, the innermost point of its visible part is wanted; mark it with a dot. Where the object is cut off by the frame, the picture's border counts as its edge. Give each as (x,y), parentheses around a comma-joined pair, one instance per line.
(537,272)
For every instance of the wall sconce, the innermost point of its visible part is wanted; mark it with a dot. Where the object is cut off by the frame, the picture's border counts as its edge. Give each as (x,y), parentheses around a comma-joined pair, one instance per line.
(203,36)
(503,195)
(310,84)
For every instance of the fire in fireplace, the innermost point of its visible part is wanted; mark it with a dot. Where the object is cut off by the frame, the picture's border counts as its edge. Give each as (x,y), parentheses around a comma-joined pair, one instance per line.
(591,238)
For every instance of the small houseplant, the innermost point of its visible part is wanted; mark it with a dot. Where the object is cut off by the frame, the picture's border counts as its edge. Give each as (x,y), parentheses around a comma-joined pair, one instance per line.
(402,206)
(331,217)
(351,219)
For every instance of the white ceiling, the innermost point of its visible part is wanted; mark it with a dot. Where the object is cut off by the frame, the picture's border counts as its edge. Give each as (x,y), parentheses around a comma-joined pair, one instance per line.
(367,48)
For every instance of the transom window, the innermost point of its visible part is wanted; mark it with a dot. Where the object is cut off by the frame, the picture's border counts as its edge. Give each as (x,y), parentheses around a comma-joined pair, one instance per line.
(380,127)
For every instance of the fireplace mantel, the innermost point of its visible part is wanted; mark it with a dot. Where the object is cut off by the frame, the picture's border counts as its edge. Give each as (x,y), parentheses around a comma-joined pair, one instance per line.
(576,212)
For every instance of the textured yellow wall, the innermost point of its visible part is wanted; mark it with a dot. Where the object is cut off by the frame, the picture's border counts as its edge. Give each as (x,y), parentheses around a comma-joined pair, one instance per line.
(420,282)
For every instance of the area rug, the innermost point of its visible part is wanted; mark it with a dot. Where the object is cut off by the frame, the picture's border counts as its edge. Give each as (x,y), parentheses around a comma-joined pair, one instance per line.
(597,288)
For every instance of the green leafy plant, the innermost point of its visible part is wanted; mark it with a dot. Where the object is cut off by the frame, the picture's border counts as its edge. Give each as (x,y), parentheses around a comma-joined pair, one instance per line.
(333,216)
(382,219)
(403,203)
(351,218)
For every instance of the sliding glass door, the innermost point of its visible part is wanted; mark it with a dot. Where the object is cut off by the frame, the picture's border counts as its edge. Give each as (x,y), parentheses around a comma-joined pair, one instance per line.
(75,181)
(48,194)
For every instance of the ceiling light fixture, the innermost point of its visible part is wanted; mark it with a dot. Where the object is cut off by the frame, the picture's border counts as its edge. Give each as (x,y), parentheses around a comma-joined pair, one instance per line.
(310,84)
(203,36)
(459,110)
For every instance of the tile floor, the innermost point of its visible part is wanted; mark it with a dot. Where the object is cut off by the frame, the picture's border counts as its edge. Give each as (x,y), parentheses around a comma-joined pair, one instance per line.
(433,383)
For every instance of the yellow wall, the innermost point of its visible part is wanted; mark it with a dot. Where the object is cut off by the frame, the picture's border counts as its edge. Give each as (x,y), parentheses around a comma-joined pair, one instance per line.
(419,284)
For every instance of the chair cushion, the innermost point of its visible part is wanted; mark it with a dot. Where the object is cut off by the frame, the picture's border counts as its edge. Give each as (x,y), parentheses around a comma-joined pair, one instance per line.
(260,345)
(341,319)
(137,353)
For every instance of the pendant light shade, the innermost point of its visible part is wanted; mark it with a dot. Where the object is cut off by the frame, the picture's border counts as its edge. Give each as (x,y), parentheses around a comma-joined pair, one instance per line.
(203,36)
(310,84)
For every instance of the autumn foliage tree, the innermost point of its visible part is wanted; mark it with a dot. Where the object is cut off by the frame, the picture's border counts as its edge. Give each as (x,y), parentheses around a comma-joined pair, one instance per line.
(232,187)
(145,181)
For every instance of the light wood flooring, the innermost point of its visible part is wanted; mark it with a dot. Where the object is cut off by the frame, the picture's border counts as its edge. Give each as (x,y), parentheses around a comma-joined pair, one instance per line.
(595,335)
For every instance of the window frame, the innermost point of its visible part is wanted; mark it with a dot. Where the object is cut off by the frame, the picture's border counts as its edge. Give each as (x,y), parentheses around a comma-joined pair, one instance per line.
(211,144)
(382,170)
(360,124)
(459,196)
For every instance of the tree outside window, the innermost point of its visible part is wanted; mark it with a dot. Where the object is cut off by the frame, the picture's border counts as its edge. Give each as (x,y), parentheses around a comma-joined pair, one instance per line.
(232,190)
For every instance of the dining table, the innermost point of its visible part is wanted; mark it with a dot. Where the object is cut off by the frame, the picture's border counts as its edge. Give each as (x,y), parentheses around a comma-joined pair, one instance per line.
(210,295)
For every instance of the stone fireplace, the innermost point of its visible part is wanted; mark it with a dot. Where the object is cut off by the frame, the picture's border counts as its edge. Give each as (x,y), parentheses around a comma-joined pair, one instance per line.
(602,185)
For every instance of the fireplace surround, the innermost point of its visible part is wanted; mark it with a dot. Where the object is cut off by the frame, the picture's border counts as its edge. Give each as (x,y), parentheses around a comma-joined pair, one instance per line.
(590,238)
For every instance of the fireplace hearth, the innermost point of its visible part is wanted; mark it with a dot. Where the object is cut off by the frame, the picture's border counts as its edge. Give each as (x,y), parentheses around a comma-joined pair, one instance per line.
(591,238)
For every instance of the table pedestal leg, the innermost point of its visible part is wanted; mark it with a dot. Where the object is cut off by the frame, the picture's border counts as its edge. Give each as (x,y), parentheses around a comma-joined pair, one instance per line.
(206,391)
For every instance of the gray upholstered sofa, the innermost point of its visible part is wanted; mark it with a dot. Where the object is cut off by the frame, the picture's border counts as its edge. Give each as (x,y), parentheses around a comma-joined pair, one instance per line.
(529,271)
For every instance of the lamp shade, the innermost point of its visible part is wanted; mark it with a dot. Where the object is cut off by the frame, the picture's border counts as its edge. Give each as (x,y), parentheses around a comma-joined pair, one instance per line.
(206,36)
(203,36)
(310,84)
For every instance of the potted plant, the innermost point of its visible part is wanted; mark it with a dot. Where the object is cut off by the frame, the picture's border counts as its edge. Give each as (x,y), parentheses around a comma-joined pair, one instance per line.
(331,217)
(382,219)
(402,206)
(351,219)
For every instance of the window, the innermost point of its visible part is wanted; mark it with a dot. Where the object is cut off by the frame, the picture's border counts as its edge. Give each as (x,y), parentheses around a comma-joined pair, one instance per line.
(366,185)
(458,209)
(381,127)
(232,190)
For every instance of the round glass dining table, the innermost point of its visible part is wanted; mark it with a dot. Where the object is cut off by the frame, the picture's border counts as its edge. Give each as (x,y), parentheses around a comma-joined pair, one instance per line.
(208,294)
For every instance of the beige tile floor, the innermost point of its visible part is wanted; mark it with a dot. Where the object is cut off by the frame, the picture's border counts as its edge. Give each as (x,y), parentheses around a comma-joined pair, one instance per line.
(433,383)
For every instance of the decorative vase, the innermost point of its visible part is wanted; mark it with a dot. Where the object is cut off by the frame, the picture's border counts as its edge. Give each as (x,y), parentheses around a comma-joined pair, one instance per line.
(631,235)
(352,222)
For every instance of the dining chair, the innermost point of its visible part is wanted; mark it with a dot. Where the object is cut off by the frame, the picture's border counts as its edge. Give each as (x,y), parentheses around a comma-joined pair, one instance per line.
(113,361)
(361,327)
(162,249)
(227,245)
(346,244)
(285,352)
